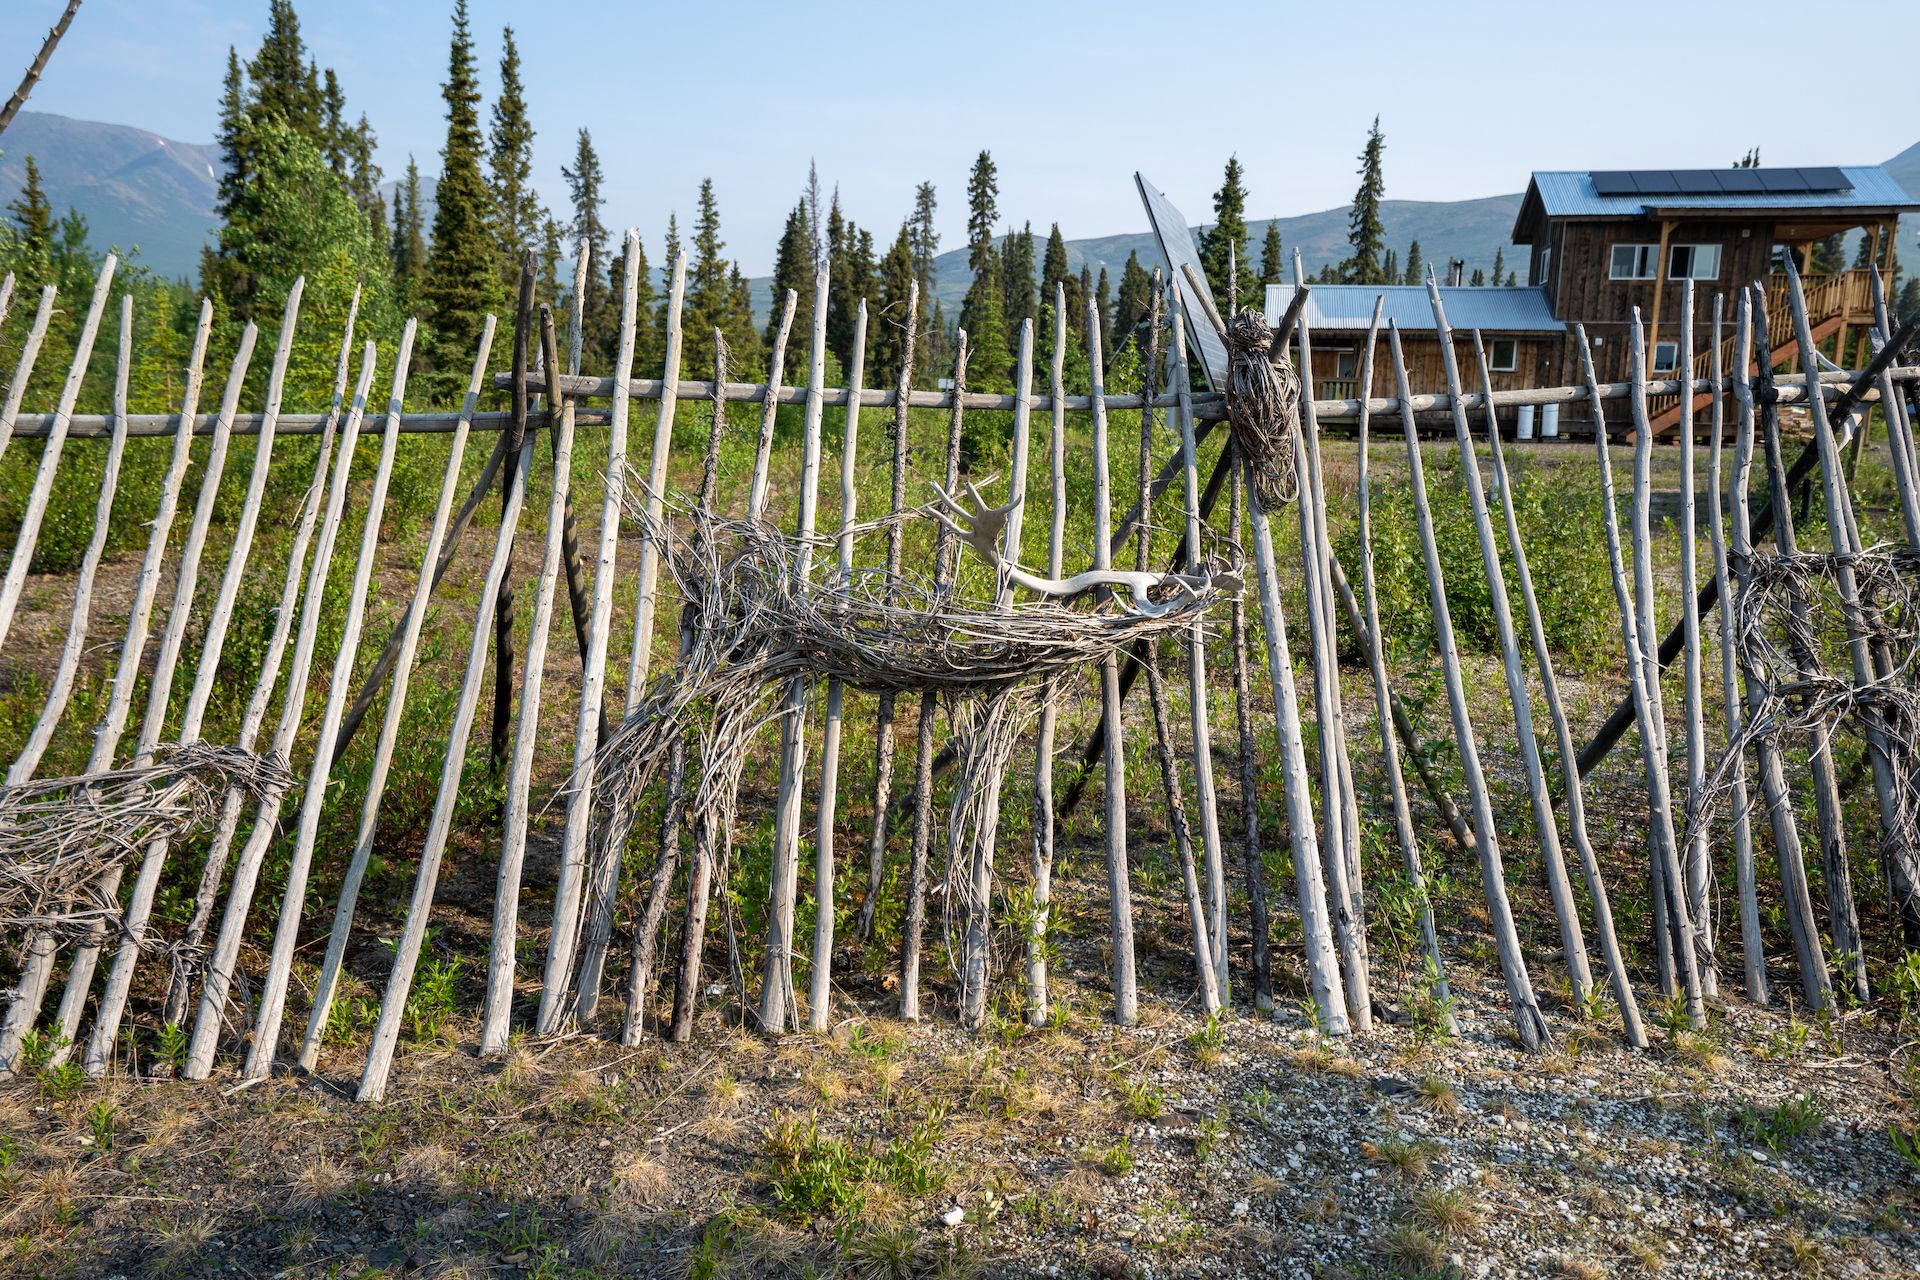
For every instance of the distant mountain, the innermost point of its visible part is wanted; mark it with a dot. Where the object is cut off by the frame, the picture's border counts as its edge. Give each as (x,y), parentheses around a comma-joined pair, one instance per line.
(135,187)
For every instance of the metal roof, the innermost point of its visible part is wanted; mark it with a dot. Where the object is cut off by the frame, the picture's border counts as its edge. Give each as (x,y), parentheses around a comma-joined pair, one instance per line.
(1492,309)
(1573,194)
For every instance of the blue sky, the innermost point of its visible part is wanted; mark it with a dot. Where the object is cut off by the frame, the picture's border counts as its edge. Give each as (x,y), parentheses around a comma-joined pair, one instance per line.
(1070,98)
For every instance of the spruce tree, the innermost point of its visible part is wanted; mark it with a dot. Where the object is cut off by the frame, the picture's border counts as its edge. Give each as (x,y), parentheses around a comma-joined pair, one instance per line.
(547,279)
(600,310)
(510,166)
(1103,302)
(887,320)
(1019,298)
(923,239)
(712,286)
(462,281)
(363,178)
(33,232)
(284,81)
(792,269)
(1390,273)
(983,190)
(1225,242)
(1364,232)
(1134,301)
(648,348)
(1054,272)
(1478,278)
(1272,265)
(1416,265)
(409,249)
(333,128)
(1499,263)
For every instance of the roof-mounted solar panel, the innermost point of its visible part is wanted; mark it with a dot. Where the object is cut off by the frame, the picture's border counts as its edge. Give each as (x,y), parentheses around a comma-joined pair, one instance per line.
(1741,181)
(1698,181)
(1613,182)
(1656,182)
(1781,180)
(1825,178)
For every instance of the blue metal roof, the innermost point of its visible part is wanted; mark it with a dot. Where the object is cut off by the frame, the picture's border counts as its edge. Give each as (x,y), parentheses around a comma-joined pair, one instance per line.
(1558,194)
(1492,310)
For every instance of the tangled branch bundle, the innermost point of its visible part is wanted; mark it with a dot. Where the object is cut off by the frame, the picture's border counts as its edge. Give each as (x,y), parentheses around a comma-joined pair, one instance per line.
(759,623)
(1791,627)
(1263,405)
(60,836)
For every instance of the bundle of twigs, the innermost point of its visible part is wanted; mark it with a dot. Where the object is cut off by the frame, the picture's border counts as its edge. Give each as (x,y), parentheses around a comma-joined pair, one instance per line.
(757,623)
(1263,406)
(61,837)
(1787,617)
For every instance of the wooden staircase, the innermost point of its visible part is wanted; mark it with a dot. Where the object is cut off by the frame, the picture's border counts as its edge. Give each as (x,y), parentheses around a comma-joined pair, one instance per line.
(1831,301)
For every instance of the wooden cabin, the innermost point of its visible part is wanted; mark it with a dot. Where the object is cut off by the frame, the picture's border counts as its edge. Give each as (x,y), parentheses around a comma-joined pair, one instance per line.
(1600,243)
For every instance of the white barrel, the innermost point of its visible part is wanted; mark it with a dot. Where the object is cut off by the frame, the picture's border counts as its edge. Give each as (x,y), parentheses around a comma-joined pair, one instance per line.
(1524,431)
(1549,421)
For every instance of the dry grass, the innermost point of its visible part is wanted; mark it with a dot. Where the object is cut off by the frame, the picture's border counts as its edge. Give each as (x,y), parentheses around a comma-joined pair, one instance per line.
(1572,1268)
(1437,1096)
(1446,1211)
(429,1165)
(1407,1248)
(318,1183)
(179,1246)
(642,1179)
(1409,1159)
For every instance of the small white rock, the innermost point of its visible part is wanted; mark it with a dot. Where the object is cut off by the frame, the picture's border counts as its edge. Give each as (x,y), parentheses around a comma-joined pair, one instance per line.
(954,1216)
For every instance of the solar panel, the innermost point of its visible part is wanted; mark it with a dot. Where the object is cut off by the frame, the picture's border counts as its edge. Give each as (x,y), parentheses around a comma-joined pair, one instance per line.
(1698,181)
(1613,182)
(1176,245)
(1656,182)
(1780,179)
(1741,181)
(1825,179)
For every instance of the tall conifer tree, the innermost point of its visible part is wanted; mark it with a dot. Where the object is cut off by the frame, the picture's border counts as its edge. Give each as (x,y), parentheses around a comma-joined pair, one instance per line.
(923,239)
(977,317)
(33,231)
(792,269)
(1365,235)
(462,281)
(1272,265)
(409,250)
(600,311)
(1416,265)
(1226,240)
(510,166)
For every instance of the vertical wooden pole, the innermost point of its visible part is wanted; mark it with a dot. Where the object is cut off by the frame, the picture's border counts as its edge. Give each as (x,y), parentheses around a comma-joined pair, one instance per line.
(76,638)
(1038,999)
(1323,964)
(980,850)
(497,1008)
(266,1037)
(1197,699)
(1119,890)
(776,986)
(1697,867)
(1349,924)
(23,368)
(1573,944)
(1751,338)
(914,925)
(568,889)
(1528,1021)
(1571,781)
(884,714)
(330,967)
(820,996)
(1659,800)
(1751,940)
(1896,831)
(35,509)
(1375,646)
(1205,971)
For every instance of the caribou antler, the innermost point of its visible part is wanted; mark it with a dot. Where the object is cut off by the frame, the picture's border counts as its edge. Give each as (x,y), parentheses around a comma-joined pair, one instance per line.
(981,527)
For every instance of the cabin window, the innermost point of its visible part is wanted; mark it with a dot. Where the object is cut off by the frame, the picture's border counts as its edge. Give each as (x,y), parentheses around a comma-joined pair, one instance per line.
(1346,365)
(1693,262)
(1666,357)
(1503,355)
(1634,261)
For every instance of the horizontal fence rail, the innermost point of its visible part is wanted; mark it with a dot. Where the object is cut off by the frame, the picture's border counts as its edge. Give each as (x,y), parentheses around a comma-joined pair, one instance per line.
(1210,407)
